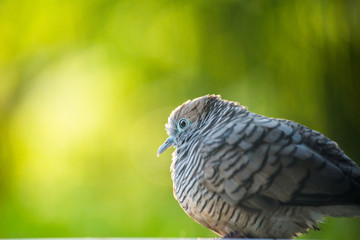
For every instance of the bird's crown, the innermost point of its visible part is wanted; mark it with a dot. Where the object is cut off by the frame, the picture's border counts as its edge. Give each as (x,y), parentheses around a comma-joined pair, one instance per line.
(192,110)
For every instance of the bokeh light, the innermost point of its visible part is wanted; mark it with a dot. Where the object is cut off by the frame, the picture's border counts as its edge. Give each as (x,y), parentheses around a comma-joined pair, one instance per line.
(86,88)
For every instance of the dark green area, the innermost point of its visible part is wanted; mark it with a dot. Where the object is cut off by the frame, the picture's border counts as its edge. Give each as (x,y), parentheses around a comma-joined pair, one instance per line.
(86,88)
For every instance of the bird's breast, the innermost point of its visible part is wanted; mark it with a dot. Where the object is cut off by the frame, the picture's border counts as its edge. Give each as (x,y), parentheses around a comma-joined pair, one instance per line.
(201,204)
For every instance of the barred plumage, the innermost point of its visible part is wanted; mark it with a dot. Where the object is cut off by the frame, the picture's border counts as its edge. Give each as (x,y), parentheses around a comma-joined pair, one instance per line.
(241,174)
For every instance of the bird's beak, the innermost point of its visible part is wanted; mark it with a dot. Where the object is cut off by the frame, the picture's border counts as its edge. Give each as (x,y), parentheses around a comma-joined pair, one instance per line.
(168,143)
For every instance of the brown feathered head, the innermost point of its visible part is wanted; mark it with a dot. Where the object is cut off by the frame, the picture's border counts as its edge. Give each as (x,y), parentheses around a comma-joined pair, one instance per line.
(189,115)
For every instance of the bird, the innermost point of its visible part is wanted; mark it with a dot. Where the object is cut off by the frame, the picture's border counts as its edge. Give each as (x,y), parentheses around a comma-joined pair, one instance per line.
(244,175)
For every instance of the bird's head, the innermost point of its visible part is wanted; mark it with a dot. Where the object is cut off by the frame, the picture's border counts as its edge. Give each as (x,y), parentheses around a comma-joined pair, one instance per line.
(191,115)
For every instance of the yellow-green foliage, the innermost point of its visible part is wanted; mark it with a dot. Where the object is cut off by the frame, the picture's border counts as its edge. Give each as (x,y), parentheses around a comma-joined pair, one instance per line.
(86,88)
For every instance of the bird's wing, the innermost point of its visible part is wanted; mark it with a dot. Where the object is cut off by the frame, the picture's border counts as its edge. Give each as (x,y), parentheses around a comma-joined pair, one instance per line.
(260,162)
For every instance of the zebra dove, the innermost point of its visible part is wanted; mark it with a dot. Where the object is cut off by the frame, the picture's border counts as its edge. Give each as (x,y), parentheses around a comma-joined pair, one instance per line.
(241,174)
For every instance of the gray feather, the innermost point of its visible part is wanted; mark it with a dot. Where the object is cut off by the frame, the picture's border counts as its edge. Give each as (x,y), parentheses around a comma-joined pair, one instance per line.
(248,175)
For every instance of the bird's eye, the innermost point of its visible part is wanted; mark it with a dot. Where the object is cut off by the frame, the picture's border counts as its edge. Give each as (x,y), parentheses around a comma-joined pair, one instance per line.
(182,124)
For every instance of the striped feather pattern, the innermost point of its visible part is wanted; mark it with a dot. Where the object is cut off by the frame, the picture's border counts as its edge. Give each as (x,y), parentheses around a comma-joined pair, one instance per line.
(245,175)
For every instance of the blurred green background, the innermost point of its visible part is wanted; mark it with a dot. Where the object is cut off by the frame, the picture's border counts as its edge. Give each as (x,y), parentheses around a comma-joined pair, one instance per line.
(86,88)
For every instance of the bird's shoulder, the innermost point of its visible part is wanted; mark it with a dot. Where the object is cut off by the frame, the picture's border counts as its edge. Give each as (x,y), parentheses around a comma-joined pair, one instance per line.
(249,130)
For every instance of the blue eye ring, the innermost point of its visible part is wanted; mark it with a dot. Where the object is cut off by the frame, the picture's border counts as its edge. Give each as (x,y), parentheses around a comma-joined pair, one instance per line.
(182,124)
